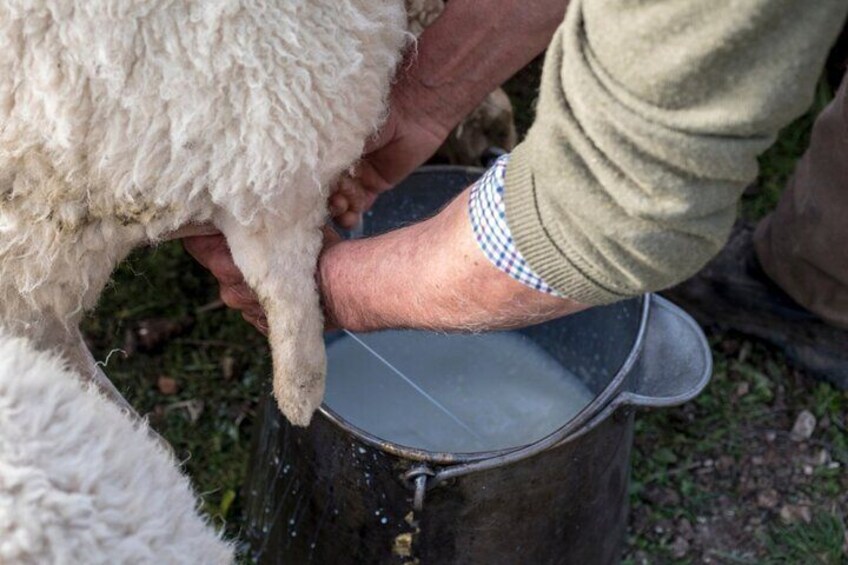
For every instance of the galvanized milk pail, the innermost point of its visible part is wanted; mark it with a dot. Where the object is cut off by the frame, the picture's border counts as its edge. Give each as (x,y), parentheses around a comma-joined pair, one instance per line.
(336,493)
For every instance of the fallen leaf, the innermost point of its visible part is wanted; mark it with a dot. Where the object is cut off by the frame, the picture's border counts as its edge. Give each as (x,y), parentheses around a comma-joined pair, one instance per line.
(167,385)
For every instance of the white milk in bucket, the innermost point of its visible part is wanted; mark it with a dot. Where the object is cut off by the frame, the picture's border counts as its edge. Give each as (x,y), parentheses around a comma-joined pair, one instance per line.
(451,393)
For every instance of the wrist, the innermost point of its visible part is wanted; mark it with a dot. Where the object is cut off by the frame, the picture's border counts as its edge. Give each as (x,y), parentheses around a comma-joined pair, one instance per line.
(471,49)
(431,106)
(376,283)
(344,288)
(329,288)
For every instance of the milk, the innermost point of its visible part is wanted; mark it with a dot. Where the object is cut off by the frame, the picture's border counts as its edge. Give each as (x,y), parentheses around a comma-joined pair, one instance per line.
(457,393)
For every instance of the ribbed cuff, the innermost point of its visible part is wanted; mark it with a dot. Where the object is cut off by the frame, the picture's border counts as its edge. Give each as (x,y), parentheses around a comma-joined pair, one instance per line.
(556,264)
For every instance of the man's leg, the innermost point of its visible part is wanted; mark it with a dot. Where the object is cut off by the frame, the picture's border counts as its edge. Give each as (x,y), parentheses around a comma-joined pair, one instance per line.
(803,245)
(787,282)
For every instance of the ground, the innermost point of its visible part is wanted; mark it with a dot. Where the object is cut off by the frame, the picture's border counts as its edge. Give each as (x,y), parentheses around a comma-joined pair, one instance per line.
(720,480)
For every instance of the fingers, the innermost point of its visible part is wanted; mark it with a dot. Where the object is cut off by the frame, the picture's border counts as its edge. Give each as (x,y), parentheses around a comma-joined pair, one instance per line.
(258,322)
(349,195)
(239,296)
(353,196)
(338,204)
(344,214)
(212,252)
(331,237)
(372,181)
(349,220)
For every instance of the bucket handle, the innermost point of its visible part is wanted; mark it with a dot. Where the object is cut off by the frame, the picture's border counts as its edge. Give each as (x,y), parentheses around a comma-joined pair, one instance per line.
(674,366)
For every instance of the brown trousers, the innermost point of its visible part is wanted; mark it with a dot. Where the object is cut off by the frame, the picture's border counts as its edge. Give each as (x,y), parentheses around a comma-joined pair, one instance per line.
(803,244)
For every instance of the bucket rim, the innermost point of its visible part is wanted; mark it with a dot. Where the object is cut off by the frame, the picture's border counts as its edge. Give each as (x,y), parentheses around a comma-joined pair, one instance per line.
(558,436)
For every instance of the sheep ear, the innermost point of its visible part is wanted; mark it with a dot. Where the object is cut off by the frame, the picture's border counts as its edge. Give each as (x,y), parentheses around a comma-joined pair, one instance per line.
(279,265)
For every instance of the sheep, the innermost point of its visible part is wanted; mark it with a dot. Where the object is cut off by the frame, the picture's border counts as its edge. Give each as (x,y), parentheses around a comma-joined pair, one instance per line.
(80,482)
(122,122)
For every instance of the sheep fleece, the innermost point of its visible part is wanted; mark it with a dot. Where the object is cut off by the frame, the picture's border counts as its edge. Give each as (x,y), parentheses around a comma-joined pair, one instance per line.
(80,482)
(121,121)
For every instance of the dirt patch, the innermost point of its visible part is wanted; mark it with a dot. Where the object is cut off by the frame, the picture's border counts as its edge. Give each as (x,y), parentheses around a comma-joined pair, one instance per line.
(742,475)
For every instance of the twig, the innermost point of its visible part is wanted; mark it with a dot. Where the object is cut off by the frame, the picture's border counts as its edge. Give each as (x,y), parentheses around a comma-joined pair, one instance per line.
(214,305)
(209,343)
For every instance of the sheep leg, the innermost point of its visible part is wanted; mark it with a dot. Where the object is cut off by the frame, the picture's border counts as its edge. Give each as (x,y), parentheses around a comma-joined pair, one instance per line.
(278,262)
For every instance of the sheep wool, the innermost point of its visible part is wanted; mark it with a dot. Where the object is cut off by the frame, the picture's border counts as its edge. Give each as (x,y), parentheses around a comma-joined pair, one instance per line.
(82,483)
(122,121)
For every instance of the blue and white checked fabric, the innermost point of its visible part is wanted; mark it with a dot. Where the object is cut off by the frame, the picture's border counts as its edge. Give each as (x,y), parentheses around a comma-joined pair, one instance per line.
(488,219)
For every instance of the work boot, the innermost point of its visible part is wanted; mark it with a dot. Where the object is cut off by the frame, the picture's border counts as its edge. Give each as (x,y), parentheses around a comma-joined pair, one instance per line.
(733,292)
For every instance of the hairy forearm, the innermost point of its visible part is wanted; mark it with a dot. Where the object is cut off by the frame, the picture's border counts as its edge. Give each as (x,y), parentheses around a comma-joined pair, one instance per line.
(471,49)
(430,275)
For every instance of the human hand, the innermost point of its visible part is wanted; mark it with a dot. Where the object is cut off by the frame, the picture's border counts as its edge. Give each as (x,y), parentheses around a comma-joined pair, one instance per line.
(471,49)
(212,252)
(405,142)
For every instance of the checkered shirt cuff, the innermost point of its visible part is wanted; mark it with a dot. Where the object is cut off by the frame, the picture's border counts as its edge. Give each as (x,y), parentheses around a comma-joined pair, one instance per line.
(487,210)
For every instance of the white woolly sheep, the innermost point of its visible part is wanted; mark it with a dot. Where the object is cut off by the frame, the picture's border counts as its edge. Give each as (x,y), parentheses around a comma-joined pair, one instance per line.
(80,482)
(122,121)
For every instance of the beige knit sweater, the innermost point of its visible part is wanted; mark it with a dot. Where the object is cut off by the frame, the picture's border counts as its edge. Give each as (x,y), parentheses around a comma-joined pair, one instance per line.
(650,120)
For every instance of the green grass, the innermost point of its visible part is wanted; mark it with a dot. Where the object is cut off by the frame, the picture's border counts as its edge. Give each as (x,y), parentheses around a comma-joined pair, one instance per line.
(673,447)
(820,541)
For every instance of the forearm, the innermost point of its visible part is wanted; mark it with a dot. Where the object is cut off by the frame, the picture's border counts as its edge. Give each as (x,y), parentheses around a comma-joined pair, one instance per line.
(430,275)
(471,49)
(650,120)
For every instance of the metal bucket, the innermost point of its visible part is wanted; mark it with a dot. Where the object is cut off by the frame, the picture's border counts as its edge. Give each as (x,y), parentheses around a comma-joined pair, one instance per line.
(337,494)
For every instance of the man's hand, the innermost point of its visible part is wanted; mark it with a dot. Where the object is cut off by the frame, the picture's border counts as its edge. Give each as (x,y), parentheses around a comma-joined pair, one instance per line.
(404,143)
(212,252)
(471,49)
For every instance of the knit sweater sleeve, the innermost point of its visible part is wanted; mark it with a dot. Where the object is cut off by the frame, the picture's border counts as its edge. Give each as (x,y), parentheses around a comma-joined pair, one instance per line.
(650,120)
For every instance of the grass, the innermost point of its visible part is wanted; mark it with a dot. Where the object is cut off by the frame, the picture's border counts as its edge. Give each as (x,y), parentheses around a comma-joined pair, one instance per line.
(820,541)
(221,367)
(708,462)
